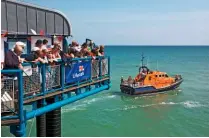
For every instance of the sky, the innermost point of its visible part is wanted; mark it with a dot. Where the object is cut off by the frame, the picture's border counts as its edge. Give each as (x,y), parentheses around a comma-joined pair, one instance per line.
(136,22)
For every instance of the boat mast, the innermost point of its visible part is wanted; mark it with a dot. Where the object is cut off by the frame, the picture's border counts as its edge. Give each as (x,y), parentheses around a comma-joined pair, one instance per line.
(142,60)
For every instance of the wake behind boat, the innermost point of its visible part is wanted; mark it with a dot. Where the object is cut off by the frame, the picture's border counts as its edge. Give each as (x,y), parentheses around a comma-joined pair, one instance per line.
(148,81)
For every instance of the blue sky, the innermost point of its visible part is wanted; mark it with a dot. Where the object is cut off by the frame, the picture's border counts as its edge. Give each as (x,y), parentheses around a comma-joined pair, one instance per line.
(136,22)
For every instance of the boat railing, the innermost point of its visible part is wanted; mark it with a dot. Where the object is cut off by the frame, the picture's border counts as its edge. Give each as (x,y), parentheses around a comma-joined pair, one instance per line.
(40,79)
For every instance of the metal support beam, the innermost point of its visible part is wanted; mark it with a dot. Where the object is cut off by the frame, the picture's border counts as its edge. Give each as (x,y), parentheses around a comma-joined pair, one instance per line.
(59,104)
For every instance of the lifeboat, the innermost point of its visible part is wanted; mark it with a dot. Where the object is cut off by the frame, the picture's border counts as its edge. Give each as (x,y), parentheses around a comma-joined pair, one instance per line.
(147,82)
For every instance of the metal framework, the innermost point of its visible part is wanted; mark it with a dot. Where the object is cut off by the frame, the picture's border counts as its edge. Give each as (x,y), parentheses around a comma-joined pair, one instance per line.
(42,82)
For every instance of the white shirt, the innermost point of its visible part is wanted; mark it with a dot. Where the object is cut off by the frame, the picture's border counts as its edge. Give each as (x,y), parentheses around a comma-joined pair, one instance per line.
(35,48)
(44,47)
(77,48)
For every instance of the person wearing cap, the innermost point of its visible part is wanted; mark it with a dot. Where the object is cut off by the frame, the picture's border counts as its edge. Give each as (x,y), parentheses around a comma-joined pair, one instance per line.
(23,47)
(12,57)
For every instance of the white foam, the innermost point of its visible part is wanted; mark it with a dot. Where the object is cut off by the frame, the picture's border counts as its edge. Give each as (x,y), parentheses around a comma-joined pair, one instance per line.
(81,105)
(111,96)
(78,107)
(191,104)
(169,103)
(66,110)
(187,104)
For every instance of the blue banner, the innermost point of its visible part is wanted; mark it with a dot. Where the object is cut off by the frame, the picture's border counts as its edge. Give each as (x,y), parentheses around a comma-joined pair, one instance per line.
(78,71)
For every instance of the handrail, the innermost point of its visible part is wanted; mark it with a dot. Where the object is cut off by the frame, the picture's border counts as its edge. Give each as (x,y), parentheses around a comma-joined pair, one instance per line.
(61,82)
(60,60)
(12,71)
(40,84)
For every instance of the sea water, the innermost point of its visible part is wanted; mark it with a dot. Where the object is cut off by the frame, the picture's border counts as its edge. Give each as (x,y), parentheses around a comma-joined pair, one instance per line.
(182,112)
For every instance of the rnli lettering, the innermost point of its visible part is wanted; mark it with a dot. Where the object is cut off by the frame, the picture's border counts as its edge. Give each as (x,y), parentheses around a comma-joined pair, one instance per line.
(77,75)
(78,71)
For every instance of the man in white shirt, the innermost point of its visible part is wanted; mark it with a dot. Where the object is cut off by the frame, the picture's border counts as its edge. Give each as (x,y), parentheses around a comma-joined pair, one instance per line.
(38,45)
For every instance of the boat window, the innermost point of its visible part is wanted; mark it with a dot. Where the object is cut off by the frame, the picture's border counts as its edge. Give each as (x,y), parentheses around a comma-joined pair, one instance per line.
(150,77)
(156,76)
(166,75)
(163,75)
(159,75)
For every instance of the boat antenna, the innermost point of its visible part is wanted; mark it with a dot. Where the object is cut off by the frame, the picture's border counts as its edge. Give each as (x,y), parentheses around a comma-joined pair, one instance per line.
(147,61)
(142,60)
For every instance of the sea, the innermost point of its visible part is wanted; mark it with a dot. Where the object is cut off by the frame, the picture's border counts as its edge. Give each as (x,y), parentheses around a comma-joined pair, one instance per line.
(183,112)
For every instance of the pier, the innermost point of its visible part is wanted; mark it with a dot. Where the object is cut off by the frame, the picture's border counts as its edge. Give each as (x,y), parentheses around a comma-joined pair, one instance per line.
(41,90)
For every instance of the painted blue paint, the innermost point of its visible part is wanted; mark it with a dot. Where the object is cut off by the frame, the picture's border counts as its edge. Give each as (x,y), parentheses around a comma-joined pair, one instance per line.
(62,73)
(11,71)
(21,129)
(59,104)
(78,71)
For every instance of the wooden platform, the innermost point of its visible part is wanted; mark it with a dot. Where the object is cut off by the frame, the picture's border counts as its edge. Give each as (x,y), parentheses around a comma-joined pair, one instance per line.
(10,122)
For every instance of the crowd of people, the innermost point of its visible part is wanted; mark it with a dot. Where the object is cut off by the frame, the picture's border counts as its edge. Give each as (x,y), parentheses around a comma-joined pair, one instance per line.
(44,53)
(80,51)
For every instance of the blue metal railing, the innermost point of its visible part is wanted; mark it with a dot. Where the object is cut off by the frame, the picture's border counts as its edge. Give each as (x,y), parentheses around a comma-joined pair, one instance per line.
(19,74)
(42,91)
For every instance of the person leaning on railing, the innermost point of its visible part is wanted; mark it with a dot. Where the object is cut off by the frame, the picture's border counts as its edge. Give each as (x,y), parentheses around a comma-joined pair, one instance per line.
(56,51)
(35,56)
(38,45)
(84,50)
(12,60)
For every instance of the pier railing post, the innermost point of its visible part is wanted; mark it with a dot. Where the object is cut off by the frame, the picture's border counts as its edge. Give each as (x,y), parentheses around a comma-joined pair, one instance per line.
(62,73)
(22,128)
